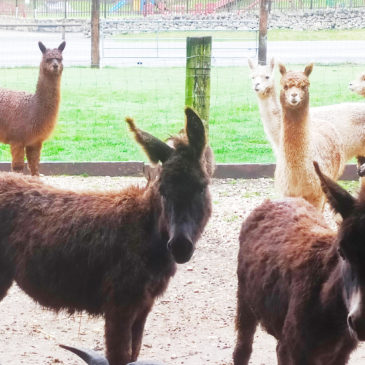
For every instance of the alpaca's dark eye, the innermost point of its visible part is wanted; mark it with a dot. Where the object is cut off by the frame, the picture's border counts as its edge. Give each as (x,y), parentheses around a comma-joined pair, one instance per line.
(267,77)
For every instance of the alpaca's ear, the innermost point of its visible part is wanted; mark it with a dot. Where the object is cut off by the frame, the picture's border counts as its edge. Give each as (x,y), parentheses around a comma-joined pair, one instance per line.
(340,200)
(308,69)
(272,64)
(42,47)
(251,64)
(282,69)
(155,149)
(62,46)
(195,131)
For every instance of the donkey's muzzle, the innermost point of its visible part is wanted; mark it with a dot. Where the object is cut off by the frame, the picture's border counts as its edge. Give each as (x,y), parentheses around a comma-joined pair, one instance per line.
(181,247)
(357,325)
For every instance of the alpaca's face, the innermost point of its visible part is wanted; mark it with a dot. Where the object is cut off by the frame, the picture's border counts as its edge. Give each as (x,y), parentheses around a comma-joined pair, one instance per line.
(262,77)
(358,85)
(294,89)
(262,80)
(52,62)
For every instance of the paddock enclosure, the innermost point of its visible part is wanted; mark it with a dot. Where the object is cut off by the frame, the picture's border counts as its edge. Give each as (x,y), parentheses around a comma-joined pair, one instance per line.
(191,324)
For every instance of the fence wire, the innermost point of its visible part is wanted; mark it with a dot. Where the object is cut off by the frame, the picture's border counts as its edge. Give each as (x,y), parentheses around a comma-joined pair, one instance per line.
(122,8)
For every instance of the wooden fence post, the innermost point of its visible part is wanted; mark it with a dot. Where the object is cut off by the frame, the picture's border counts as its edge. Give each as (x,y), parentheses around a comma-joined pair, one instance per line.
(95,33)
(264,11)
(197,83)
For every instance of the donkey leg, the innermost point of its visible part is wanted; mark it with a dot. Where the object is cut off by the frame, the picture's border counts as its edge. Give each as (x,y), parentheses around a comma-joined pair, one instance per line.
(118,336)
(246,323)
(137,330)
(283,354)
(7,270)
(17,155)
(33,154)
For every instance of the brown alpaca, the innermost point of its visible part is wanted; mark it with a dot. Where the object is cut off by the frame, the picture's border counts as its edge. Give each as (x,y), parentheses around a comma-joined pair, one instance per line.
(301,281)
(110,254)
(304,140)
(27,120)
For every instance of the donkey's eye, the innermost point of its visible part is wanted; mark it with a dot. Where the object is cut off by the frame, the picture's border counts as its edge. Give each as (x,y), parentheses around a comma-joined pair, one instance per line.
(340,252)
(285,87)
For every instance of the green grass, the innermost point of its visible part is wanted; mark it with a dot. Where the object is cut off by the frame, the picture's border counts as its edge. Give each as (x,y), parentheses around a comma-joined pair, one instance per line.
(95,102)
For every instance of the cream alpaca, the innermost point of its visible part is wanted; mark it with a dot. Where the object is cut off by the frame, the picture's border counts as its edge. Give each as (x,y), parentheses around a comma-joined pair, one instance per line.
(348,118)
(304,140)
(263,83)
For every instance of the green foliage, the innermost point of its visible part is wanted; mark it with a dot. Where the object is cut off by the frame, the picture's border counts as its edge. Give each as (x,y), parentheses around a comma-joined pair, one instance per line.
(95,102)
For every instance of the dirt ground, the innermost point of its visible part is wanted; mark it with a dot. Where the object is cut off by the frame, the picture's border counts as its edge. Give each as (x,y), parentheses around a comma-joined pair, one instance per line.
(191,324)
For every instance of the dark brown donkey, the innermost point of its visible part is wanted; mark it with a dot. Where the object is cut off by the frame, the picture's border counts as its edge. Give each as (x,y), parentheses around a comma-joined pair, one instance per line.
(27,120)
(304,283)
(109,253)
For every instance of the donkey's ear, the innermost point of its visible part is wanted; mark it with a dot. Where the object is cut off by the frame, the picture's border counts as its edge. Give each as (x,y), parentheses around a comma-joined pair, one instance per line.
(250,64)
(42,47)
(340,200)
(282,69)
(89,356)
(62,46)
(155,149)
(308,69)
(195,131)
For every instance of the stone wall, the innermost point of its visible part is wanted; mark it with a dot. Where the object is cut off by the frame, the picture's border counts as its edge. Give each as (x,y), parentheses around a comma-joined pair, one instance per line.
(296,20)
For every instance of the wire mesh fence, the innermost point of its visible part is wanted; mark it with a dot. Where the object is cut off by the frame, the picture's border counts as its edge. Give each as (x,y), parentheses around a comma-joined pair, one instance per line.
(123,8)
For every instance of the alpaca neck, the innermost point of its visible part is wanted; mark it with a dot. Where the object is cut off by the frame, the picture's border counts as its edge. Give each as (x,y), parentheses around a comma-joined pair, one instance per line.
(295,136)
(46,102)
(270,111)
(48,92)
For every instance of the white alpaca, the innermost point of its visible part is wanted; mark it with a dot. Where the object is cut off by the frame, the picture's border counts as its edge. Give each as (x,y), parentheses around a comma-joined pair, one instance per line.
(358,85)
(263,83)
(304,140)
(348,118)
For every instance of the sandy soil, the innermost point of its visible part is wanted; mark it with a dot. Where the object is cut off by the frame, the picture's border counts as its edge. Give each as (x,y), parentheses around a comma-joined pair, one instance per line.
(192,324)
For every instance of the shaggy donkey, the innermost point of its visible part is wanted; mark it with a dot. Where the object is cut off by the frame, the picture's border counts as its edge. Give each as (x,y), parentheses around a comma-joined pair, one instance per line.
(93,358)
(301,281)
(110,253)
